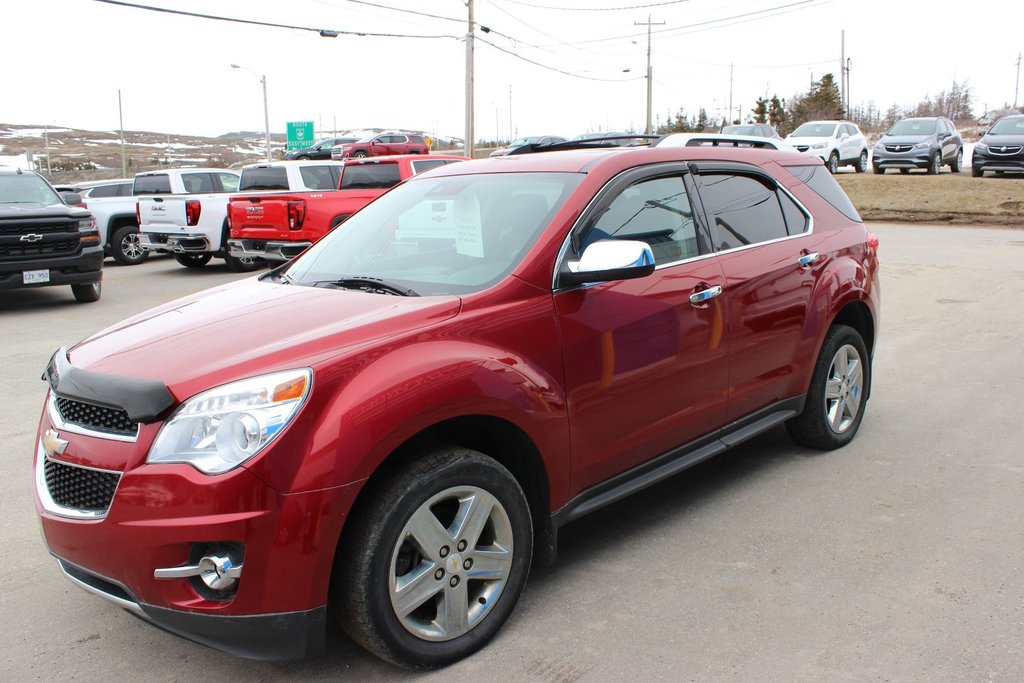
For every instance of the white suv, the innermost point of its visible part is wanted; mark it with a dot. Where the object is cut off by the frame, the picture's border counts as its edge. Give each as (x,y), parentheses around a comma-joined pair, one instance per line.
(837,143)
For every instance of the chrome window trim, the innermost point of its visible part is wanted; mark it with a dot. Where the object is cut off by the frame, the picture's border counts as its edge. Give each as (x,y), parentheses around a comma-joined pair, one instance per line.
(52,506)
(671,264)
(59,423)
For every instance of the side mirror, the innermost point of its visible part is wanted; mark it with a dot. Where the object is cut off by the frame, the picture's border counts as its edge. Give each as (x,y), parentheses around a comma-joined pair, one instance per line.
(607,260)
(71,198)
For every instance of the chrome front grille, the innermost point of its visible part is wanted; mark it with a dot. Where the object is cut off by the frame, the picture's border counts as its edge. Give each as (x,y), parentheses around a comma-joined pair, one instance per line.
(898,148)
(98,418)
(80,488)
(1004,150)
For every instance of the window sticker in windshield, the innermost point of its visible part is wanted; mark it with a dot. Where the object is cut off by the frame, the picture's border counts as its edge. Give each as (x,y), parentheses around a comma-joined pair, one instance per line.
(427,220)
(469,238)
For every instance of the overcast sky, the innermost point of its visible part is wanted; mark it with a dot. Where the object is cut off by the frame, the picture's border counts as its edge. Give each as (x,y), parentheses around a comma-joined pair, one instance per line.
(64,61)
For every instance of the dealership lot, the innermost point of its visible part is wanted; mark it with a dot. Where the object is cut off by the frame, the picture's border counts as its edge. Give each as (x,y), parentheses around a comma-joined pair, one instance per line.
(897,557)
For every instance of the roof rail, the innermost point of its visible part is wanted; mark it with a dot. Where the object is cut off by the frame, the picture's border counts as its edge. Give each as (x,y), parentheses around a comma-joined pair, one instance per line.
(592,143)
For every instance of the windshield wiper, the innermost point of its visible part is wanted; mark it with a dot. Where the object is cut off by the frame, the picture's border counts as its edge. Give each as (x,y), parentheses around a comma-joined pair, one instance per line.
(366,284)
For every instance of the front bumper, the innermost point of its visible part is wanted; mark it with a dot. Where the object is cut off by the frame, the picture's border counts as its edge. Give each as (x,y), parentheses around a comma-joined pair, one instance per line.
(271,250)
(81,268)
(167,516)
(987,161)
(914,158)
(174,244)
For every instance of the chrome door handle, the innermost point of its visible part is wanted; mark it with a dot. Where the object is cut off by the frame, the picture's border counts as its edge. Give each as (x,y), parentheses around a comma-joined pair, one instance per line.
(705,295)
(808,259)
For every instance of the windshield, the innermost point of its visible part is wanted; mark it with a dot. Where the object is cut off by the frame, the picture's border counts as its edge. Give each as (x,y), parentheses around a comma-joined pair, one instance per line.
(913,127)
(26,188)
(518,142)
(368,138)
(814,130)
(448,235)
(1008,126)
(742,130)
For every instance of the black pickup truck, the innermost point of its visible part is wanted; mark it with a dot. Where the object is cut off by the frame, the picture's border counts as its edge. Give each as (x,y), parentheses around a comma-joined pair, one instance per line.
(45,239)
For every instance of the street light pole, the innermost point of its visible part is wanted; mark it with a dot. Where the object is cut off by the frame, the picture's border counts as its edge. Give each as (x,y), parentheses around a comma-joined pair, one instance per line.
(266,111)
(469,81)
(648,24)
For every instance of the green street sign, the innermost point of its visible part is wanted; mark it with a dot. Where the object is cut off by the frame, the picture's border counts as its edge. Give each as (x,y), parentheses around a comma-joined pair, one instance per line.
(300,134)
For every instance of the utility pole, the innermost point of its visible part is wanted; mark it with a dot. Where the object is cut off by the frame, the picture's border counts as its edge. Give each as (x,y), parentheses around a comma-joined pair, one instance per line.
(120,120)
(648,24)
(266,113)
(469,80)
(1016,85)
(842,72)
(46,140)
(729,117)
(510,133)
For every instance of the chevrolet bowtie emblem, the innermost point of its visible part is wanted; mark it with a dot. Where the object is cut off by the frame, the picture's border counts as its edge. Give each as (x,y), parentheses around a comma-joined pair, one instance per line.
(31,237)
(53,444)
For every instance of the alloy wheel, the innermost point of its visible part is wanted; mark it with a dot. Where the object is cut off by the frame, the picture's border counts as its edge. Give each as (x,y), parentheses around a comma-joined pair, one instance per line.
(451,563)
(844,389)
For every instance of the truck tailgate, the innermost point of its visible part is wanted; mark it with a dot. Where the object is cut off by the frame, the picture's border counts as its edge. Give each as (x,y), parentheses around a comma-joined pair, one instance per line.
(162,214)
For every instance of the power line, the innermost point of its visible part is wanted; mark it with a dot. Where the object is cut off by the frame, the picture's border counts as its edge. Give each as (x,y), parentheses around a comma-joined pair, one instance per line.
(325,32)
(598,9)
(552,68)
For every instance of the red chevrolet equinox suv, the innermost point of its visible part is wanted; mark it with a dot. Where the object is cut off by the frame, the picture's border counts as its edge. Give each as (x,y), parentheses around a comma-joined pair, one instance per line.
(410,410)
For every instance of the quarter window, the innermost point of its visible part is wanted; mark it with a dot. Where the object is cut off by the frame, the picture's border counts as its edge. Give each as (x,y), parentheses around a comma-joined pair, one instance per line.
(655,211)
(743,210)
(228,182)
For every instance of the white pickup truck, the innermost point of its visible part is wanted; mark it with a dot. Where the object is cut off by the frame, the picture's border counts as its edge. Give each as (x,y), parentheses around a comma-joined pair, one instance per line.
(184,212)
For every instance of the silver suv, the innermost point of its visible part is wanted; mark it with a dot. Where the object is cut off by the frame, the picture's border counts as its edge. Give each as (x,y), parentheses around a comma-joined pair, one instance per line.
(928,142)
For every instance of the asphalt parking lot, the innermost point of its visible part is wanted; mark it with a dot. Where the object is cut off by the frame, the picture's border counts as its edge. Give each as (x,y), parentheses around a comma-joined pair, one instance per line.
(900,557)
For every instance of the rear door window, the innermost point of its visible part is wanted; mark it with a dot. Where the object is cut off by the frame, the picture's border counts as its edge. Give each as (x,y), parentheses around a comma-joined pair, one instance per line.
(157,183)
(318,177)
(197,183)
(104,191)
(263,178)
(370,176)
(742,210)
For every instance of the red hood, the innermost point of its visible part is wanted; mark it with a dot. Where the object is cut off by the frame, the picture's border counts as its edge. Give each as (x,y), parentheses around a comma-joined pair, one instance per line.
(251,327)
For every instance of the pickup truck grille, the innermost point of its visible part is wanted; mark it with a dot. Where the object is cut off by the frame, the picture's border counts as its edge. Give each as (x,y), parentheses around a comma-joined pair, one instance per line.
(38,239)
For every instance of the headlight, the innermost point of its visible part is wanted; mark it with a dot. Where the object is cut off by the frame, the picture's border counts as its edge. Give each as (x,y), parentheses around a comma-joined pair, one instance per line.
(923,145)
(819,145)
(981,147)
(86,224)
(879,147)
(219,429)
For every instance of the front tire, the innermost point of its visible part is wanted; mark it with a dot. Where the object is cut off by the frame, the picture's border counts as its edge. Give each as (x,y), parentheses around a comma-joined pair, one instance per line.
(87,293)
(839,389)
(435,562)
(976,172)
(126,248)
(193,260)
(360,155)
(936,165)
(862,162)
(878,170)
(833,163)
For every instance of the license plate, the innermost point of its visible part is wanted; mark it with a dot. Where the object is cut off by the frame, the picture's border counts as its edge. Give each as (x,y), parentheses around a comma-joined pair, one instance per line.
(34,277)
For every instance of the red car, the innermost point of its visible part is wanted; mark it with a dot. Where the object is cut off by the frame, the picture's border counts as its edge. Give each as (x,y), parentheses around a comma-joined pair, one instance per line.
(383,144)
(278,226)
(389,429)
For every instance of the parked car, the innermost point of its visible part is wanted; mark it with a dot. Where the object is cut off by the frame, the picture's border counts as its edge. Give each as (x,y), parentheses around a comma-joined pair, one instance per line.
(925,142)
(1001,148)
(45,238)
(320,150)
(112,204)
(837,143)
(761,130)
(599,135)
(387,429)
(535,140)
(722,140)
(184,212)
(280,225)
(385,144)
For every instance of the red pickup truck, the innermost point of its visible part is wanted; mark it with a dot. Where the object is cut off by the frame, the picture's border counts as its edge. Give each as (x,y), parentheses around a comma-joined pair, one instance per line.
(280,225)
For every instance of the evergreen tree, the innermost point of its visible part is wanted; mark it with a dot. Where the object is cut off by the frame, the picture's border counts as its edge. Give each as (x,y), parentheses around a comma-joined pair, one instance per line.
(760,111)
(702,121)
(777,113)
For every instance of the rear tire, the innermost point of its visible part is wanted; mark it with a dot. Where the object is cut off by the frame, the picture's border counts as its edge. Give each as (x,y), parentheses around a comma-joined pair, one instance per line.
(838,393)
(193,260)
(432,566)
(904,171)
(958,161)
(87,293)
(243,264)
(126,248)
(862,162)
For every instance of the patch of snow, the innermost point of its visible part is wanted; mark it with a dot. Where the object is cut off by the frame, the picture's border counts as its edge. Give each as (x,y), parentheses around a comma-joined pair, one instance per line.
(14,161)
(31,132)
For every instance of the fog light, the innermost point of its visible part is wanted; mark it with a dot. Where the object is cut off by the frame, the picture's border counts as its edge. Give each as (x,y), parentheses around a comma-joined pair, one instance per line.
(216,571)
